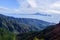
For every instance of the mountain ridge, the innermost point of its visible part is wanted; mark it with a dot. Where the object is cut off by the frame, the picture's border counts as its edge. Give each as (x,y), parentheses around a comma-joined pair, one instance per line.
(20,25)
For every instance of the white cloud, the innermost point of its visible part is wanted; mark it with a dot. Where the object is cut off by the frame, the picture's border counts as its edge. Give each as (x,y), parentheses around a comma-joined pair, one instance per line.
(56,5)
(48,7)
(52,11)
(54,8)
(4,10)
(23,4)
(32,3)
(17,11)
(32,6)
(7,10)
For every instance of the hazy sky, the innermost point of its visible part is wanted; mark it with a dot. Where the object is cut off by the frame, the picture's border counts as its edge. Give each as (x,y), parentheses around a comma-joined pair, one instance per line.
(31,7)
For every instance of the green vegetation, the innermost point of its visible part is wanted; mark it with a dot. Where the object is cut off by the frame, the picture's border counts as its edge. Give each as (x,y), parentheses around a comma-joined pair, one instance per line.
(6,35)
(36,38)
(36,35)
(25,29)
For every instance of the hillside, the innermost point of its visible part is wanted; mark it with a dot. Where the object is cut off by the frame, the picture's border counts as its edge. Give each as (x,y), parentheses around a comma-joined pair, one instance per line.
(22,25)
(50,33)
(6,34)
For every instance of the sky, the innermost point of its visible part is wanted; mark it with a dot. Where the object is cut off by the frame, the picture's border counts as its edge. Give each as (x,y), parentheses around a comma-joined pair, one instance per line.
(51,7)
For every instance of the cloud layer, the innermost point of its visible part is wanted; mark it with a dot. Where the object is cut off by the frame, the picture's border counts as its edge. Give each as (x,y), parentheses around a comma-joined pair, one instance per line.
(32,6)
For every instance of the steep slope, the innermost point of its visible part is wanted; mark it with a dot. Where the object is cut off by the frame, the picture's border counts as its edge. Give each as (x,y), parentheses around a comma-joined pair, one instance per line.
(53,34)
(20,25)
(50,33)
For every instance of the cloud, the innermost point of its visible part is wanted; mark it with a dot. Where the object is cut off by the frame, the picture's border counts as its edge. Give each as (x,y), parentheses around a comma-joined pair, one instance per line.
(32,6)
(47,6)
(32,3)
(55,5)
(17,11)
(23,4)
(52,6)
(52,11)
(4,10)
(7,10)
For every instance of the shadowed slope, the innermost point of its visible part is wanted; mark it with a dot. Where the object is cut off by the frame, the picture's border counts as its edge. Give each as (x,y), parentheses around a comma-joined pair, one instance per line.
(50,33)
